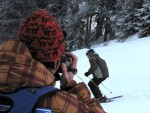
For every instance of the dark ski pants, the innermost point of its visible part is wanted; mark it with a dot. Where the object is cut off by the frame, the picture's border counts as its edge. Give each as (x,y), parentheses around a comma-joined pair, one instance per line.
(93,84)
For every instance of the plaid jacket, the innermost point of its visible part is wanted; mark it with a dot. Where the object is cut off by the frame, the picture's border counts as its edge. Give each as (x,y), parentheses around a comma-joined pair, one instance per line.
(18,69)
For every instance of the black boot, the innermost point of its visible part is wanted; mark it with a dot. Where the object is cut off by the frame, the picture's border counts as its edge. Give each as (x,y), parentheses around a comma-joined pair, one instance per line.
(103,99)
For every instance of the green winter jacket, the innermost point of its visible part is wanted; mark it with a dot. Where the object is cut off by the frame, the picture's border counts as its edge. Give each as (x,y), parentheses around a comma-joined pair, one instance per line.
(98,67)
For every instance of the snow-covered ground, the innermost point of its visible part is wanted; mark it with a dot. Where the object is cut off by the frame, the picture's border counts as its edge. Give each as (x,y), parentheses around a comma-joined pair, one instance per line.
(129,70)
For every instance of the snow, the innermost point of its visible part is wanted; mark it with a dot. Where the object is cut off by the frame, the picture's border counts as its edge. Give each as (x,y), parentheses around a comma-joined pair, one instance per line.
(128,65)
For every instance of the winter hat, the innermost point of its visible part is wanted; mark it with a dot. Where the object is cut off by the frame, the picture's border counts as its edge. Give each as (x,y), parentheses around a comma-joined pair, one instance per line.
(90,52)
(43,36)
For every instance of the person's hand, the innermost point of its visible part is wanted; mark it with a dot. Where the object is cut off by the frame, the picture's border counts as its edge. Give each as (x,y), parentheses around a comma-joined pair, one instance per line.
(74,59)
(68,76)
(86,74)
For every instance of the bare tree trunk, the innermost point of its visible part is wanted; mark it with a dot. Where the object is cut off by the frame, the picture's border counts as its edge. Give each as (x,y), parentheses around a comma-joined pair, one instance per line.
(99,27)
(90,19)
(88,31)
(108,35)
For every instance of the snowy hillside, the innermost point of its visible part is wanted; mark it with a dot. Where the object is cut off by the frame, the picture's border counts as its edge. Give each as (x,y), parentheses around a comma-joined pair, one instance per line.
(129,70)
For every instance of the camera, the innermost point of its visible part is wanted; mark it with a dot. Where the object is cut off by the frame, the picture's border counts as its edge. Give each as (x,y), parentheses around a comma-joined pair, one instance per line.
(65,59)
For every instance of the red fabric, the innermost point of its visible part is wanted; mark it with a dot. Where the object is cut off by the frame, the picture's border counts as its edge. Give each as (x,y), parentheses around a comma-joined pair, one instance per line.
(43,36)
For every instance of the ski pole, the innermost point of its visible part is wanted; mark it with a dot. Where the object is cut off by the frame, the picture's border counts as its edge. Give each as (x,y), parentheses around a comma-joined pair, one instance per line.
(106,88)
(92,82)
(96,85)
(102,85)
(80,78)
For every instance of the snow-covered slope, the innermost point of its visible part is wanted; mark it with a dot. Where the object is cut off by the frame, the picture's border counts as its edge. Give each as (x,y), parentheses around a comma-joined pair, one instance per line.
(129,70)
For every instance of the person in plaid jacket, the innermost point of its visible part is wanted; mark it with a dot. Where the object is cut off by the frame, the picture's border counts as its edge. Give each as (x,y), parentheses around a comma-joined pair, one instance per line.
(32,61)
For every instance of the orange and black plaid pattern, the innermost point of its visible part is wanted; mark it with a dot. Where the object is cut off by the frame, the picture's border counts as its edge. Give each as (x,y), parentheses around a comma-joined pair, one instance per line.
(77,100)
(18,69)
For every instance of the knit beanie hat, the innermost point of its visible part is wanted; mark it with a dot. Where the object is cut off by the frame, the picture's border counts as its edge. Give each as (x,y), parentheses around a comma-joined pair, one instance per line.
(90,52)
(43,36)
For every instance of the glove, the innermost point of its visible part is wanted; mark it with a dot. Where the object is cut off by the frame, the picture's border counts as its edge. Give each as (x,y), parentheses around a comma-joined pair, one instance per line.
(86,74)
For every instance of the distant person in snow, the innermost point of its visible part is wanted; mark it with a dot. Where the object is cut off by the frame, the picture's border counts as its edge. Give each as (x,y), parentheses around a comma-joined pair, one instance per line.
(99,70)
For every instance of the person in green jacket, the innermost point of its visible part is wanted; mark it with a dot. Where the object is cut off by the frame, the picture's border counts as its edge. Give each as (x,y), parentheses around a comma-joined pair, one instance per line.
(99,70)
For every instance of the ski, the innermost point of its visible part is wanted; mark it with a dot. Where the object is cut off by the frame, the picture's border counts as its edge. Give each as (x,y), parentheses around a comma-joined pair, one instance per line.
(111,99)
(107,101)
(116,97)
